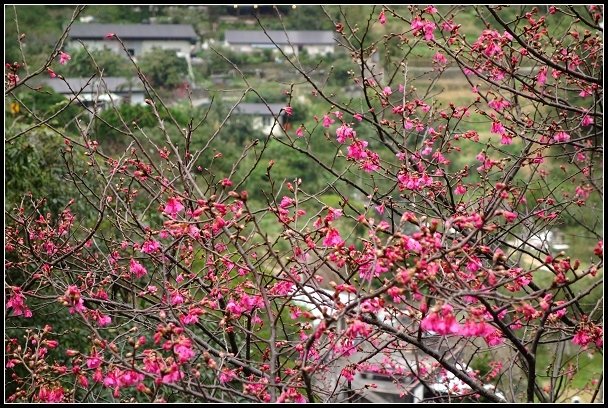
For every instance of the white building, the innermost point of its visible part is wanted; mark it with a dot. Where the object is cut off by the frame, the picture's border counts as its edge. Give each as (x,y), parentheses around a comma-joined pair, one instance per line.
(137,38)
(291,41)
(267,118)
(100,92)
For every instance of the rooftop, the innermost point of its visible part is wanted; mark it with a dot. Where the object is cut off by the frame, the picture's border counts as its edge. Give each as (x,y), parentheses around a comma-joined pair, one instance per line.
(295,37)
(96,31)
(271,109)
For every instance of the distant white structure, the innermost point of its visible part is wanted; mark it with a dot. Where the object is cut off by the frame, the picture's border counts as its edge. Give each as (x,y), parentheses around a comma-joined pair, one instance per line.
(137,38)
(291,41)
(100,91)
(266,118)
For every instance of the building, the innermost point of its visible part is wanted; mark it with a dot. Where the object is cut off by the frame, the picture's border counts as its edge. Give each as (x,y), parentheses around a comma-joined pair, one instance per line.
(100,91)
(137,38)
(291,42)
(266,118)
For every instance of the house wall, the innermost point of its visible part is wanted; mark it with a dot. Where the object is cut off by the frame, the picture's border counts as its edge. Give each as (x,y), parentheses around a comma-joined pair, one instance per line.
(139,47)
(296,49)
(184,47)
(99,45)
(319,49)
(266,124)
(135,98)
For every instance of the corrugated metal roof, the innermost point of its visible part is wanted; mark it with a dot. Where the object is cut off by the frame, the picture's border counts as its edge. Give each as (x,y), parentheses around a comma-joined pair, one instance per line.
(96,31)
(295,37)
(109,84)
(248,108)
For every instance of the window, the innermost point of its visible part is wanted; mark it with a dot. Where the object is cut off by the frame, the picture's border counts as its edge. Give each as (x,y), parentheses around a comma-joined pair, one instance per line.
(267,120)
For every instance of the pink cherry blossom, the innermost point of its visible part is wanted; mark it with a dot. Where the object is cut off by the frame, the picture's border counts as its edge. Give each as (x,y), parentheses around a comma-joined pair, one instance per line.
(173,207)
(227,375)
(541,77)
(64,58)
(382,18)
(17,303)
(509,215)
(460,189)
(137,269)
(587,120)
(94,361)
(440,59)
(150,246)
(327,121)
(332,238)
(441,321)
(498,128)
(345,132)
(561,137)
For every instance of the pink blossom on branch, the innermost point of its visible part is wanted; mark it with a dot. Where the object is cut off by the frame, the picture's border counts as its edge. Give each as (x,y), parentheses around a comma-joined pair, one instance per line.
(561,137)
(441,321)
(332,238)
(382,18)
(64,58)
(327,121)
(137,269)
(173,207)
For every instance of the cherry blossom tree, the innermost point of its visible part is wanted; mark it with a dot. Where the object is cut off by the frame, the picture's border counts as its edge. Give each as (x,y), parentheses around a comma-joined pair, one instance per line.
(425,270)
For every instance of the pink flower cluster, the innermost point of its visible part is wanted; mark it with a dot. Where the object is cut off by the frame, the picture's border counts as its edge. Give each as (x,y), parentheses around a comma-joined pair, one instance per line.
(73,299)
(173,207)
(423,27)
(47,394)
(490,43)
(345,132)
(442,321)
(17,303)
(369,161)
(118,379)
(137,269)
(589,333)
(413,181)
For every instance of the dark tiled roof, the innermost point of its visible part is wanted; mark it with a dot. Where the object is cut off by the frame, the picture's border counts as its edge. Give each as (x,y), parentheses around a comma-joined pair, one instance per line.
(247,108)
(280,37)
(96,31)
(109,84)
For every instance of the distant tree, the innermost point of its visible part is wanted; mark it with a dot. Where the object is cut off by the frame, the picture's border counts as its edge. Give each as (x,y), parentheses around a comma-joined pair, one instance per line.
(163,68)
(84,63)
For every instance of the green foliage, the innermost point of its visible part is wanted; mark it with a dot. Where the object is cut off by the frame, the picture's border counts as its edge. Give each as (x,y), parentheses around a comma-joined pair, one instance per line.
(83,65)
(46,103)
(42,26)
(111,125)
(163,68)
(36,163)
(122,13)
(341,72)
